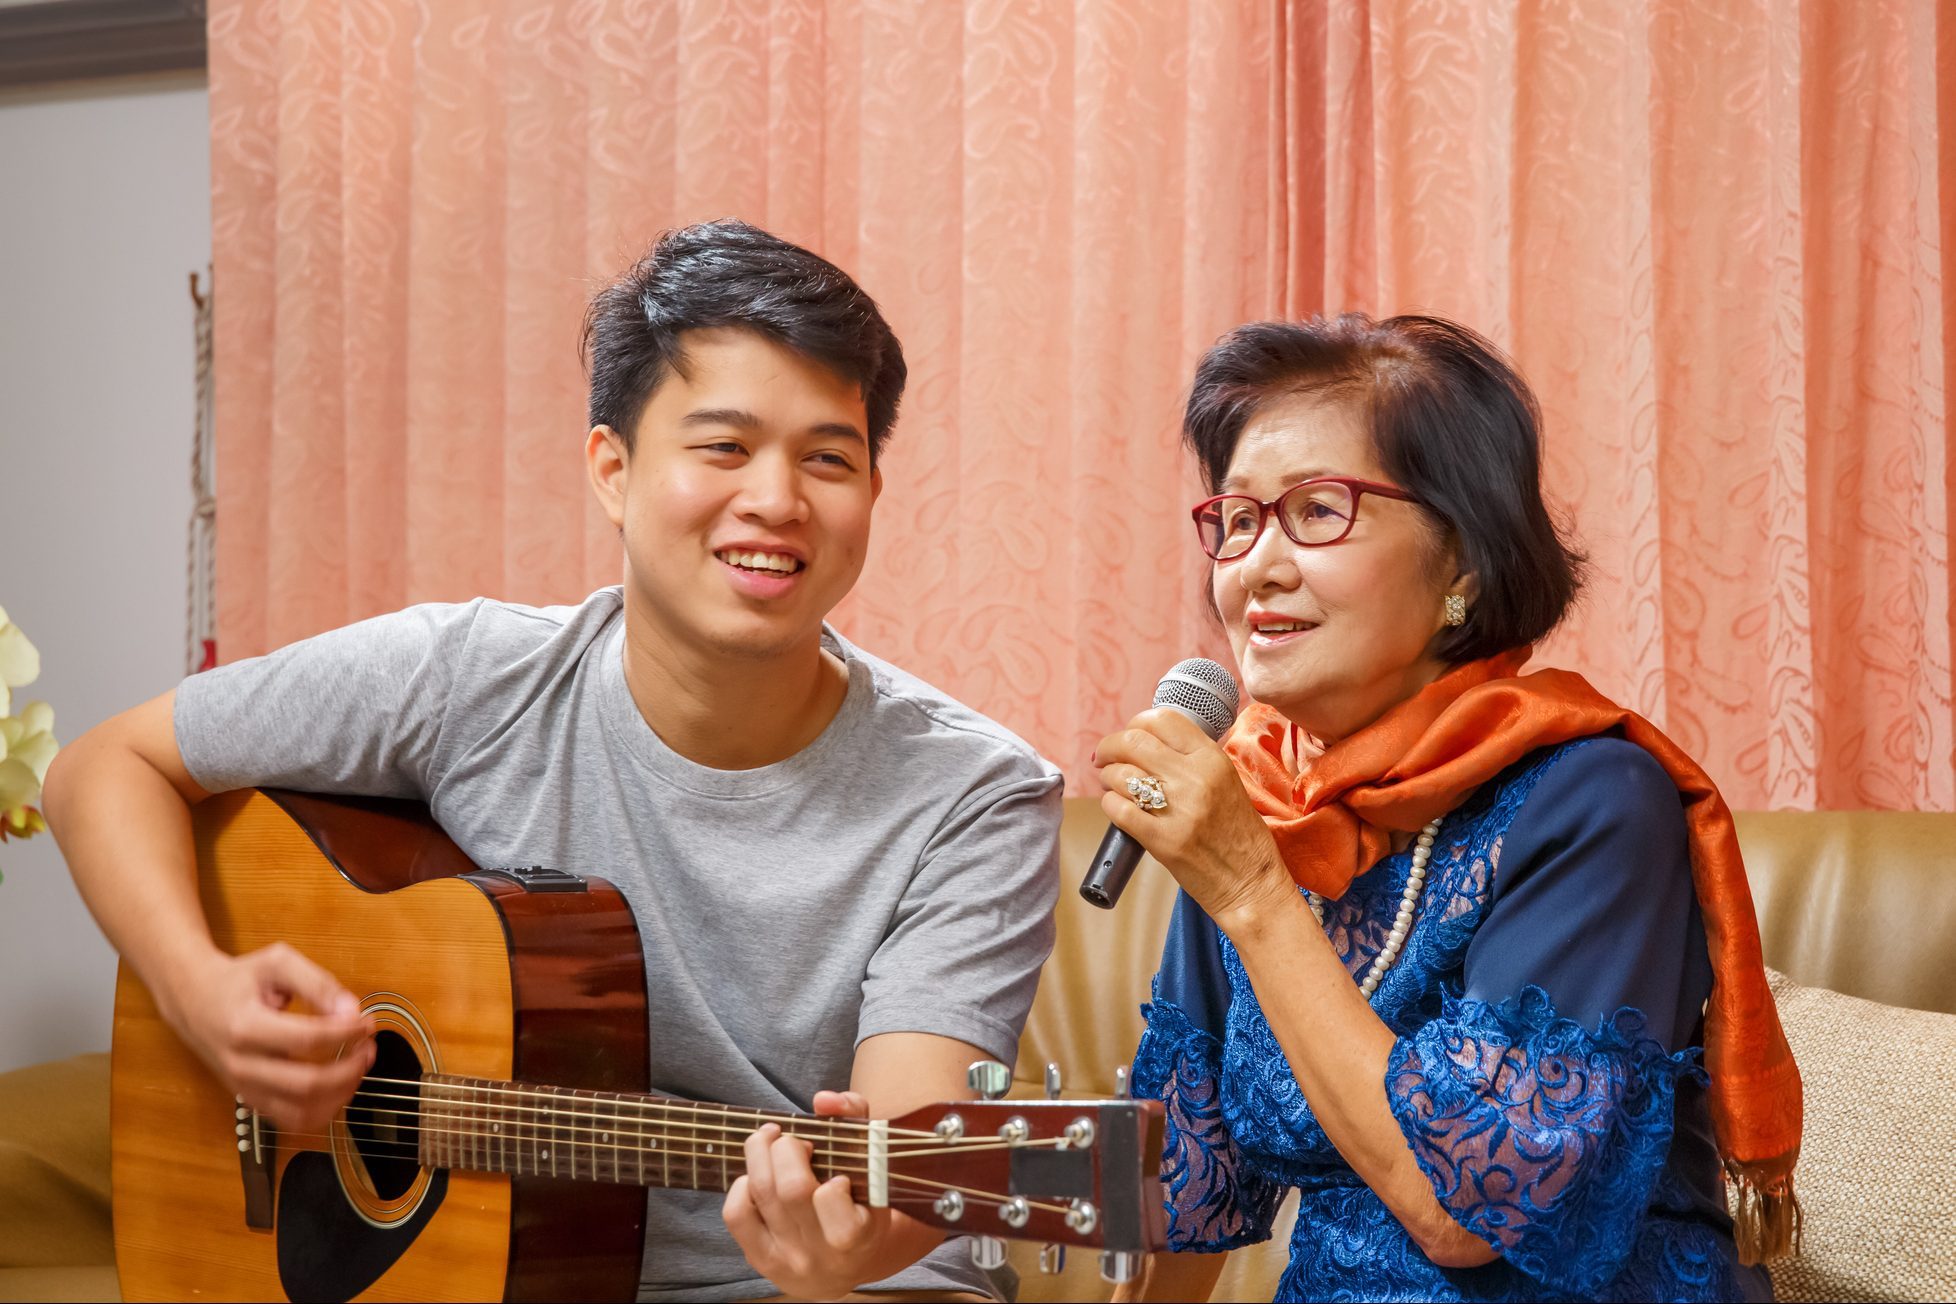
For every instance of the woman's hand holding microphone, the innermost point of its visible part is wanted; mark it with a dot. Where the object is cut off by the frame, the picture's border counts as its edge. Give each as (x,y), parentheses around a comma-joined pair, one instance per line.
(1206,834)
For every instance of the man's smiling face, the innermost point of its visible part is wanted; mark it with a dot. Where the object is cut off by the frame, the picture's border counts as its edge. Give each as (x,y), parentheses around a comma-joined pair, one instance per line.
(745,501)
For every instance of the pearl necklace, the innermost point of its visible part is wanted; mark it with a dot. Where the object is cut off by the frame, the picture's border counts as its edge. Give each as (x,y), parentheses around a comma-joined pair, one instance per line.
(1402,924)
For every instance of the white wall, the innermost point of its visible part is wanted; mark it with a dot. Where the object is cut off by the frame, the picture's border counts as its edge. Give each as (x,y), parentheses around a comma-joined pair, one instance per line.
(104,213)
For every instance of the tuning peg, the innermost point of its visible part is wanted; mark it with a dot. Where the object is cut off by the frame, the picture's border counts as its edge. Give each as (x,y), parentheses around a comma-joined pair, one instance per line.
(1120,1082)
(1052,1082)
(988,1252)
(1052,1259)
(1118,1266)
(988,1078)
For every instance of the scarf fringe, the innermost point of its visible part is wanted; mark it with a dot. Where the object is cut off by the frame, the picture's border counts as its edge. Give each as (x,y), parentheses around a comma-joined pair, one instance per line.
(1767,1222)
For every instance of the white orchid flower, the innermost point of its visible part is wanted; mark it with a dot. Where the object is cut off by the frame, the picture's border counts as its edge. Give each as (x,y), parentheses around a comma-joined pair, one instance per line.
(26,741)
(27,744)
(19,662)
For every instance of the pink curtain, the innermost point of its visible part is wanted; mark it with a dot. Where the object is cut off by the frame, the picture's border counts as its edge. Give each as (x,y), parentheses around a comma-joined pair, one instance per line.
(1715,236)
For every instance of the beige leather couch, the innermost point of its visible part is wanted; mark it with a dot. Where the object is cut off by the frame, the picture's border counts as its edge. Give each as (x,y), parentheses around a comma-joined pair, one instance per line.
(1862,903)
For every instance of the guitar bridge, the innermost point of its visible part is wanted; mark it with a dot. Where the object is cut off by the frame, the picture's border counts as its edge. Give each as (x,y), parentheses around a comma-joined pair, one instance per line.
(257,1148)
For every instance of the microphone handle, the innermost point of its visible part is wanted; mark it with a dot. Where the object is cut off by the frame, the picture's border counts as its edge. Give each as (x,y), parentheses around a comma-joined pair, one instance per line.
(1113,864)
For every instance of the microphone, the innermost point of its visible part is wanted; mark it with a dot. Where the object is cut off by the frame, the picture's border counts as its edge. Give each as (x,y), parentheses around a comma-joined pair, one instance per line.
(1205,693)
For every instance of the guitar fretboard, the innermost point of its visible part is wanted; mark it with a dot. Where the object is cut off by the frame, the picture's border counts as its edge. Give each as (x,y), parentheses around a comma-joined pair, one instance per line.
(602,1136)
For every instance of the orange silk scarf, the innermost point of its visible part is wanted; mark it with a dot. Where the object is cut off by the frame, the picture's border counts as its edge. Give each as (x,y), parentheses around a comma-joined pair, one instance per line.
(1333,818)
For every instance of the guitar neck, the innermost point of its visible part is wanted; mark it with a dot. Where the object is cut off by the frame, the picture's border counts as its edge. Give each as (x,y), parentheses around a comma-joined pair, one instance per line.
(605,1136)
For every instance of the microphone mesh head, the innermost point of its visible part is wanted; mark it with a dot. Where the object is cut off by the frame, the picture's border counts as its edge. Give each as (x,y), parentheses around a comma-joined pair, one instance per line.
(1201,690)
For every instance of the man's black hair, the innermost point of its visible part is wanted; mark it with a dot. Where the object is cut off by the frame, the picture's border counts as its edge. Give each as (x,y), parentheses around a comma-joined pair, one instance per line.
(729,273)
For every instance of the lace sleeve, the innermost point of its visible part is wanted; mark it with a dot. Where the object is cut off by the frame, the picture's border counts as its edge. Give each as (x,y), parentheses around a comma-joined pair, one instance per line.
(1540,1137)
(1214,1201)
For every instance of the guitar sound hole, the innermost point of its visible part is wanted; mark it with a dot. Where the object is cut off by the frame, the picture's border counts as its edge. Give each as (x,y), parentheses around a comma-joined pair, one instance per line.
(384,1118)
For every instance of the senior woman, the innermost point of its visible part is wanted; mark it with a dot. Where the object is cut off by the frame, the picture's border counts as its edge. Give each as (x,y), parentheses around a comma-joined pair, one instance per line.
(1463,955)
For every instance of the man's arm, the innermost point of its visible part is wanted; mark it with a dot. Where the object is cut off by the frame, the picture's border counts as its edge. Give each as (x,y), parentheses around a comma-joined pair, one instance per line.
(118,801)
(808,1237)
(955,974)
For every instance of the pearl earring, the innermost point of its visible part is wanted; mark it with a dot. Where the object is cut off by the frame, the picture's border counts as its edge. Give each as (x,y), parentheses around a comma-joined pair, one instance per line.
(1456,609)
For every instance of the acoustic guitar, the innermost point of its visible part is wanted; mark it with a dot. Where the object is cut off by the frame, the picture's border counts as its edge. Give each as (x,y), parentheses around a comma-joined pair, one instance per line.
(497,1147)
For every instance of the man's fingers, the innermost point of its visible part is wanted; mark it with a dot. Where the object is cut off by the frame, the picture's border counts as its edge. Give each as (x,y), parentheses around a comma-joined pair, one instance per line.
(769,1229)
(298,1095)
(265,1031)
(841,1104)
(746,1226)
(845,1224)
(286,971)
(737,1211)
(296,1079)
(780,1182)
(790,1216)
(760,1166)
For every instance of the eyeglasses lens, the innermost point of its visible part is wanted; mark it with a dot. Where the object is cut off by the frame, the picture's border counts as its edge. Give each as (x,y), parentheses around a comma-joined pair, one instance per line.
(1228,526)
(1317,513)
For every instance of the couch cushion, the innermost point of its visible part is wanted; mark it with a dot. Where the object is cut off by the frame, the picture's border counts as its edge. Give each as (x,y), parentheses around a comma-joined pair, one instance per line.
(96,1282)
(1875,1177)
(1087,1016)
(1857,901)
(54,1164)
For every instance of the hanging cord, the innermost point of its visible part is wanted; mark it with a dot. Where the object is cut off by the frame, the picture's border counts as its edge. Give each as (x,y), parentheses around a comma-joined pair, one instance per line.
(200,612)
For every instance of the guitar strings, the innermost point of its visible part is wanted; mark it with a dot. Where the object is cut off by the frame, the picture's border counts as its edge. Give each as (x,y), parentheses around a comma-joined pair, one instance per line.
(567,1105)
(910,1143)
(451,1084)
(443,1126)
(449,1092)
(898,1181)
(674,1143)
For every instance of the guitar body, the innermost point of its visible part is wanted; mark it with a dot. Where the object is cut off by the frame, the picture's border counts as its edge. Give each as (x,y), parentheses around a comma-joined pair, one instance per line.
(479,974)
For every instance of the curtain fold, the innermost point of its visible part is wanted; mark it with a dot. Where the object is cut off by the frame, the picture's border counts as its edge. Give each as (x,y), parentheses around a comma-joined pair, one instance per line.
(1715,237)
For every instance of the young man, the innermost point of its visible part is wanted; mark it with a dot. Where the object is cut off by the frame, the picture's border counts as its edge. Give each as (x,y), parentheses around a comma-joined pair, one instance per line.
(841,877)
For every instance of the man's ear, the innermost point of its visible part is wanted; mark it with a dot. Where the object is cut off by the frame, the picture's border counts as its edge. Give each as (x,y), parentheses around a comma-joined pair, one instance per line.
(609,467)
(875,483)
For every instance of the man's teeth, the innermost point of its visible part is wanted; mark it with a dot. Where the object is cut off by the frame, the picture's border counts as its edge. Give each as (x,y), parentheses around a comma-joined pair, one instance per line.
(767,561)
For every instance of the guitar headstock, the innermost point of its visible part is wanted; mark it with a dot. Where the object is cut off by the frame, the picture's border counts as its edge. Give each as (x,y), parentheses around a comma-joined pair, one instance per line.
(1082,1173)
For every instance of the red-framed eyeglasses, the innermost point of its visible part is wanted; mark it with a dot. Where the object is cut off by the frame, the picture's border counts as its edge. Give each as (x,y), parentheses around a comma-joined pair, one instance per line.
(1312,514)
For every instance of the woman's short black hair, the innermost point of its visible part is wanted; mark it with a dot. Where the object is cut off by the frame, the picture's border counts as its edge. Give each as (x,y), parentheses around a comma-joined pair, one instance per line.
(729,273)
(1452,422)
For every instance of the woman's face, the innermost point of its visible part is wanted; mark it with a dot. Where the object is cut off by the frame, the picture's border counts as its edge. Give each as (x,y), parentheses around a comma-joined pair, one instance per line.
(1368,606)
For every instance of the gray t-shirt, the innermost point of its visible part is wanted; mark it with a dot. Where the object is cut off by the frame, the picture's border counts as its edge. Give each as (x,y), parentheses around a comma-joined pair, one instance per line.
(898,874)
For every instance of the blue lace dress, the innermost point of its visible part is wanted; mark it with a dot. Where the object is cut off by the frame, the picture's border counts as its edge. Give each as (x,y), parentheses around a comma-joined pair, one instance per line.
(1548,1005)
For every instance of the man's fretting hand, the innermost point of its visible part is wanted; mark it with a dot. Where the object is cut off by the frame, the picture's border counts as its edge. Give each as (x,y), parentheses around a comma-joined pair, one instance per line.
(807,1236)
